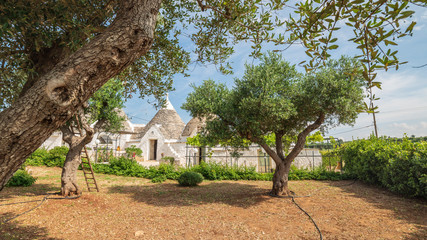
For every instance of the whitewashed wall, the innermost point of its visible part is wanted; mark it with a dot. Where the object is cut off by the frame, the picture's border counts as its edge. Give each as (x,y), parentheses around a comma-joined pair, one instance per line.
(165,147)
(55,140)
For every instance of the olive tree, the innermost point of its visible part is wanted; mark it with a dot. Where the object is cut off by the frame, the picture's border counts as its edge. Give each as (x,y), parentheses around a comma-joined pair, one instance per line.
(273,98)
(54,55)
(102,111)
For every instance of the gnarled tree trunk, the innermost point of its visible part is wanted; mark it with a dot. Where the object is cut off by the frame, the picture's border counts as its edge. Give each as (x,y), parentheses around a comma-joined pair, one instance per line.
(69,184)
(55,96)
(283,164)
(280,179)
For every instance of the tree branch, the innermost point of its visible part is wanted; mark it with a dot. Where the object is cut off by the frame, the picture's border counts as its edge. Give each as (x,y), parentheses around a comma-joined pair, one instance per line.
(275,156)
(299,145)
(279,145)
(226,15)
(84,124)
(67,134)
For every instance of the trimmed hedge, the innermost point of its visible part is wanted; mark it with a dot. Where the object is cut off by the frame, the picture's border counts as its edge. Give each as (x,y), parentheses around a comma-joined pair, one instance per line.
(190,179)
(400,166)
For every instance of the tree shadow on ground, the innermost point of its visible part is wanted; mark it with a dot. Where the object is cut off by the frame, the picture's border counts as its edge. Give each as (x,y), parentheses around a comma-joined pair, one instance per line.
(34,190)
(13,230)
(413,211)
(167,194)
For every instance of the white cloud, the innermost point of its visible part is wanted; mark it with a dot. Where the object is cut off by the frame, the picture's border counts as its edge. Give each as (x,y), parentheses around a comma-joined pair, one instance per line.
(403,126)
(418,27)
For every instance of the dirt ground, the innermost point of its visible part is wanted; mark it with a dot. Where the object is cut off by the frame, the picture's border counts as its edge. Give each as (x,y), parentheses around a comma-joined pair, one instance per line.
(135,208)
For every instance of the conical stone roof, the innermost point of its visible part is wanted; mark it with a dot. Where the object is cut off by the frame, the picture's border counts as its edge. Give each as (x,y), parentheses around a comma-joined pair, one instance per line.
(194,124)
(170,123)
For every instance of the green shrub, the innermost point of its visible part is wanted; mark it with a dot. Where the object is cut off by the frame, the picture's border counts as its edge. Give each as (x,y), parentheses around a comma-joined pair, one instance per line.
(317,174)
(217,171)
(400,166)
(168,171)
(330,159)
(126,167)
(102,168)
(53,158)
(190,179)
(37,158)
(133,149)
(171,160)
(407,176)
(211,171)
(21,179)
(56,157)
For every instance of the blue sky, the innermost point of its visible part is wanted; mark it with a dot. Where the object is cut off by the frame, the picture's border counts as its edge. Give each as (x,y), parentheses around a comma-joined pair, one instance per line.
(403,98)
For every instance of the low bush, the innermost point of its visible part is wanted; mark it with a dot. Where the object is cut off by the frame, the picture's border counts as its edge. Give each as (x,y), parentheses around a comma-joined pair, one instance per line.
(190,179)
(21,178)
(52,158)
(211,171)
(128,167)
(56,157)
(167,170)
(38,157)
(121,166)
(217,171)
(133,150)
(170,160)
(400,166)
(317,174)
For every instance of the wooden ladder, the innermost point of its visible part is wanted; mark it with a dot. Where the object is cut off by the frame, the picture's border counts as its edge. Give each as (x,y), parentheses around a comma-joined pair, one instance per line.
(86,166)
(88,171)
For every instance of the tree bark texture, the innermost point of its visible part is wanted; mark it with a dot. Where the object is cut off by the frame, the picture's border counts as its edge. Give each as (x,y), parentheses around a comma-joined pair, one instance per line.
(280,179)
(56,96)
(69,186)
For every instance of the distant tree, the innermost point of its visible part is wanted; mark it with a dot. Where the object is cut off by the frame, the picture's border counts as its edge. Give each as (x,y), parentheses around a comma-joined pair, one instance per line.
(315,137)
(273,98)
(103,110)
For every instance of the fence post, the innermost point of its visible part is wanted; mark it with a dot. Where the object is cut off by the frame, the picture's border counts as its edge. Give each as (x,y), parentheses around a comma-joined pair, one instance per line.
(313,158)
(265,163)
(186,153)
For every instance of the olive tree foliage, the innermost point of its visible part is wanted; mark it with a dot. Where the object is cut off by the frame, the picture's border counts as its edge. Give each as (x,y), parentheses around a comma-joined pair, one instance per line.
(37,35)
(54,55)
(105,105)
(274,98)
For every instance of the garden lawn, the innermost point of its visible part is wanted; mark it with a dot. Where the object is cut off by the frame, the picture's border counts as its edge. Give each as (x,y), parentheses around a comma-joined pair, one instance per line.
(135,208)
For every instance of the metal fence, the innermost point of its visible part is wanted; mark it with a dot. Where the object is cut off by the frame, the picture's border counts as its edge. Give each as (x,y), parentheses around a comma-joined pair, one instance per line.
(255,156)
(227,156)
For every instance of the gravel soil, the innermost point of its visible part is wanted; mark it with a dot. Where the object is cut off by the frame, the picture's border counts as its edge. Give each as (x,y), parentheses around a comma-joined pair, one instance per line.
(135,208)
